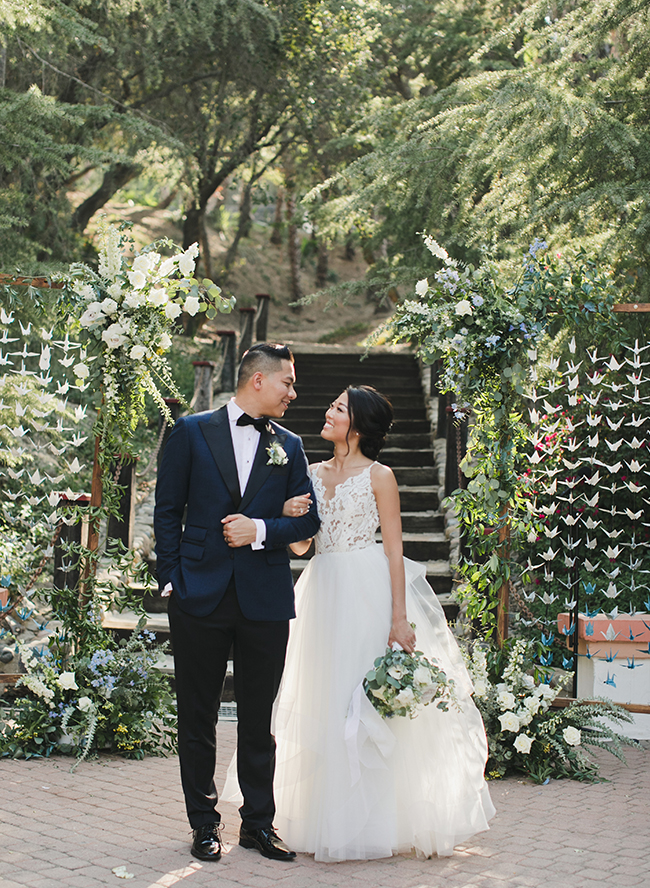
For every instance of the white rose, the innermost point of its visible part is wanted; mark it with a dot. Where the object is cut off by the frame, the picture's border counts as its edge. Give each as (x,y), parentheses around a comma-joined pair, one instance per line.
(109,306)
(145,262)
(114,336)
(67,681)
(480,688)
(509,722)
(532,704)
(523,743)
(134,300)
(506,700)
(421,287)
(186,264)
(192,251)
(158,297)
(464,308)
(525,717)
(527,680)
(165,341)
(138,352)
(115,290)
(91,315)
(172,310)
(405,697)
(137,279)
(572,736)
(547,691)
(422,675)
(191,305)
(396,671)
(167,266)
(81,371)
(85,704)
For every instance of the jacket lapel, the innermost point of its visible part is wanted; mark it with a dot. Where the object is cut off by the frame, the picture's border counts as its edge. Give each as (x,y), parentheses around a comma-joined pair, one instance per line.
(216,432)
(261,468)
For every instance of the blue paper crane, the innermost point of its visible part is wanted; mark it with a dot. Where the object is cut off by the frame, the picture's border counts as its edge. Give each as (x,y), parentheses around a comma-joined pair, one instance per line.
(589,655)
(546,660)
(567,663)
(609,658)
(632,635)
(589,614)
(547,640)
(610,681)
(589,629)
(568,630)
(645,650)
(631,664)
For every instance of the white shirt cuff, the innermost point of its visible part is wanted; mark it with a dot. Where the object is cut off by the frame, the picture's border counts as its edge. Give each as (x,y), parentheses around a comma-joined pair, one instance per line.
(260,537)
(167,591)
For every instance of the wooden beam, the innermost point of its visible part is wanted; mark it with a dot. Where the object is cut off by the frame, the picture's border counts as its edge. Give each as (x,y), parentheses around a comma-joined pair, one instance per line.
(632,307)
(13,280)
(562,702)
(10,678)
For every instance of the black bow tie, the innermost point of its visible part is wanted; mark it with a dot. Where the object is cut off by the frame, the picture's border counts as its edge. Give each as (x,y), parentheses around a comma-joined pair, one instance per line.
(260,423)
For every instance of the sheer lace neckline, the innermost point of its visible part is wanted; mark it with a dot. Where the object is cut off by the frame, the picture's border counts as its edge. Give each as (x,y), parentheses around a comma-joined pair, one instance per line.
(338,488)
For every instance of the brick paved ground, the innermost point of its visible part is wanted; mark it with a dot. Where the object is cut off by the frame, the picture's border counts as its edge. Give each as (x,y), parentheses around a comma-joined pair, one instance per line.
(61,829)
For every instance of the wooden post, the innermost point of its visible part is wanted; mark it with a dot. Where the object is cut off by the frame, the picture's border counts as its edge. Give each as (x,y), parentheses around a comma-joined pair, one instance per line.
(227,381)
(164,427)
(247,318)
(122,528)
(503,607)
(202,398)
(67,569)
(262,316)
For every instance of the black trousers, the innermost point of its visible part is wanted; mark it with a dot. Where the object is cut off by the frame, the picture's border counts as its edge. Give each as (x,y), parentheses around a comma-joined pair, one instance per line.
(201,647)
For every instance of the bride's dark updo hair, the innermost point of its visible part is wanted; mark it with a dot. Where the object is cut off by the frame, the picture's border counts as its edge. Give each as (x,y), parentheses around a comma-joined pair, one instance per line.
(371,415)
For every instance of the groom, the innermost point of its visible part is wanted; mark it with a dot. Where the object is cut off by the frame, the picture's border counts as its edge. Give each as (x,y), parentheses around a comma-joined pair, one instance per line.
(225,564)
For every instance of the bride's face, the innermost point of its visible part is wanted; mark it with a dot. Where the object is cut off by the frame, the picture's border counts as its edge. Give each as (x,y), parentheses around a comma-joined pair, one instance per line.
(337,420)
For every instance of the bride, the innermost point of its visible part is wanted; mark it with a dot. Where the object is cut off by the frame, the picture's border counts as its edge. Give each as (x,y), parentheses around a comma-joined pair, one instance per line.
(350,785)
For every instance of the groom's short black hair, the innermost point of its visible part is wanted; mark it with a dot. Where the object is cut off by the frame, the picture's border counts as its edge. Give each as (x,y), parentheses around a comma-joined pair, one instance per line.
(265,357)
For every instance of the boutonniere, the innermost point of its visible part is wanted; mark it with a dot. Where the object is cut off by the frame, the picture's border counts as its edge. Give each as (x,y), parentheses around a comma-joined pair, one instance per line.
(277,455)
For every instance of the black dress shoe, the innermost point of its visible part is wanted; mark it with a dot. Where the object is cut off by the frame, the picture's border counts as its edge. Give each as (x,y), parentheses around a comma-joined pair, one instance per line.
(267,842)
(207,842)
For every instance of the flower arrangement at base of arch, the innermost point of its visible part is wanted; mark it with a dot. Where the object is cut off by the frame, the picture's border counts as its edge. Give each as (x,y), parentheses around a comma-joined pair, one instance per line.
(525,734)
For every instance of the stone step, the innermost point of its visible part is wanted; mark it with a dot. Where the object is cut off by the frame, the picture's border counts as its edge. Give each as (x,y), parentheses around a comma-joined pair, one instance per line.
(425,546)
(420,498)
(423,522)
(322,400)
(308,384)
(389,456)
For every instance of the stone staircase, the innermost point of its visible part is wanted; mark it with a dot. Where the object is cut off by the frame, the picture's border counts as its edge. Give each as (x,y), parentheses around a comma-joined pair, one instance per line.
(321,377)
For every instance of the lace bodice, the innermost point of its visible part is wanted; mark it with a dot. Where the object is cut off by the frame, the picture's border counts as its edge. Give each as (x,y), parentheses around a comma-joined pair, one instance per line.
(349,518)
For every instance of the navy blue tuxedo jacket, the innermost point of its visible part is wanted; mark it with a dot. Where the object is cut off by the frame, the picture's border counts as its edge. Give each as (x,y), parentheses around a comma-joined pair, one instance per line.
(198,473)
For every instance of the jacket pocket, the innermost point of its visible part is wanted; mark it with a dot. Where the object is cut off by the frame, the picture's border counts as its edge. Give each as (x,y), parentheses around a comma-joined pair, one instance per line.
(189,550)
(192,532)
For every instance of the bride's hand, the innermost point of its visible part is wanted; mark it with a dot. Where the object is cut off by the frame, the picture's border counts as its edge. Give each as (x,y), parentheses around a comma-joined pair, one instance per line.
(402,632)
(297,506)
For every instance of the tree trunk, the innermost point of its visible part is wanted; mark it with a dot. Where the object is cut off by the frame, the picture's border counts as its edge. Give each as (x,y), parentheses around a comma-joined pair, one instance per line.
(322,265)
(115,178)
(294,251)
(244,225)
(276,234)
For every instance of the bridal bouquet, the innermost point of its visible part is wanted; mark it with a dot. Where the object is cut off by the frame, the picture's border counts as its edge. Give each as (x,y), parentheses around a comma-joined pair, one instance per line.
(401,684)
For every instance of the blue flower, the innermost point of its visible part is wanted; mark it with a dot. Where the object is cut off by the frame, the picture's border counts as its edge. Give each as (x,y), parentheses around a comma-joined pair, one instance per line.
(478,300)
(536,246)
(492,340)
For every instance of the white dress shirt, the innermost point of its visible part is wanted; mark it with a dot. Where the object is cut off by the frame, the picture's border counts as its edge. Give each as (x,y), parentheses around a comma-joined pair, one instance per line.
(244,442)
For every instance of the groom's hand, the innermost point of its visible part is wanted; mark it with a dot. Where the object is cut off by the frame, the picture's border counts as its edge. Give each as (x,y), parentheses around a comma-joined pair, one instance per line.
(238,530)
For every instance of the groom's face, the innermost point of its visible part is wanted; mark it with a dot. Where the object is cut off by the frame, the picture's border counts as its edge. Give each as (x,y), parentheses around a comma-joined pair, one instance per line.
(276,390)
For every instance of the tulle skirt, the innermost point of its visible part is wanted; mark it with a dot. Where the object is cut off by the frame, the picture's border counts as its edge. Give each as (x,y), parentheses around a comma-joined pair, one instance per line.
(349,784)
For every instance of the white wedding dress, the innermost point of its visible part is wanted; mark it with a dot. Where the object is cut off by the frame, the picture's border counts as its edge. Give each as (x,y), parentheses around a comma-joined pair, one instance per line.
(350,785)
